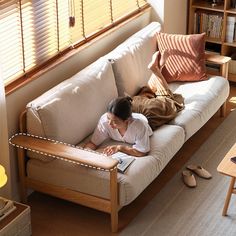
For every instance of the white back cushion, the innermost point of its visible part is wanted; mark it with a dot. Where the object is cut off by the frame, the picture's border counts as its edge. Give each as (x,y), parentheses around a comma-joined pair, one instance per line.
(131,58)
(70,111)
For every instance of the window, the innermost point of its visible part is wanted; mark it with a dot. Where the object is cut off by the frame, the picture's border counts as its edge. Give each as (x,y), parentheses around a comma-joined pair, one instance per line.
(32,32)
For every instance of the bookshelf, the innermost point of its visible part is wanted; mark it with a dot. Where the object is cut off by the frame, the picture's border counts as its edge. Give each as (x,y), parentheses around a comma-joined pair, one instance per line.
(219,23)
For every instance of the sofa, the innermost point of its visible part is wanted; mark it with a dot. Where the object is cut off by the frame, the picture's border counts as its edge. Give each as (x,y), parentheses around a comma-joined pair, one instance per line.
(55,125)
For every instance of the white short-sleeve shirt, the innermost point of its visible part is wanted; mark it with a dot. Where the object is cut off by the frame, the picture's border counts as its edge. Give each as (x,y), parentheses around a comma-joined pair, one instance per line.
(137,133)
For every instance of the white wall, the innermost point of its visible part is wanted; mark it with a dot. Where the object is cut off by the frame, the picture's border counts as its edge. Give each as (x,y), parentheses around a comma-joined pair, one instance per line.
(172,14)
(16,101)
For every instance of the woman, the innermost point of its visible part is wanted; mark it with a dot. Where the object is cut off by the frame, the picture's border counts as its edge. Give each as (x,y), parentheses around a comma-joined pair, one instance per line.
(120,124)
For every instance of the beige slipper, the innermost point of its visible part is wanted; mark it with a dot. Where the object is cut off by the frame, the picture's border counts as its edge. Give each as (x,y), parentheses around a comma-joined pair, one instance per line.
(200,171)
(189,179)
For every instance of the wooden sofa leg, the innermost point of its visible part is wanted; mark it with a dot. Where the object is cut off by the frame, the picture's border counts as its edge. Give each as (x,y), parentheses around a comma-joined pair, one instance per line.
(22,175)
(114,200)
(223,110)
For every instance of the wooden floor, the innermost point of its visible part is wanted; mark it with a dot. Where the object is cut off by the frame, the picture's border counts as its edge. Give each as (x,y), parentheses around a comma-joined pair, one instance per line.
(52,216)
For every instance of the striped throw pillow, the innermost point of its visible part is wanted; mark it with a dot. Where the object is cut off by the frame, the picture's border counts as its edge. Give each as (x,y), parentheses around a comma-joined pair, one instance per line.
(186,60)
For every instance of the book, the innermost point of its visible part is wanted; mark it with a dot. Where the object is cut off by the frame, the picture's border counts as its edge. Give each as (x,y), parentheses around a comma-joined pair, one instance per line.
(233,3)
(7,206)
(230,29)
(124,161)
(211,24)
(234,37)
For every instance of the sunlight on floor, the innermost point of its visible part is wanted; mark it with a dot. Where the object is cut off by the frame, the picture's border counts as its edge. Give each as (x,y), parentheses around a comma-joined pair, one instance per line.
(232,100)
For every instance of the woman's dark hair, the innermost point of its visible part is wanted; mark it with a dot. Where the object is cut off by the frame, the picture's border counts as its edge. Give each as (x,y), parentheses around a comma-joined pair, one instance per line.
(121,107)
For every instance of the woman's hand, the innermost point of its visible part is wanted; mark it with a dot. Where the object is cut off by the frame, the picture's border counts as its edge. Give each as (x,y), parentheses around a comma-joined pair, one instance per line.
(123,148)
(111,150)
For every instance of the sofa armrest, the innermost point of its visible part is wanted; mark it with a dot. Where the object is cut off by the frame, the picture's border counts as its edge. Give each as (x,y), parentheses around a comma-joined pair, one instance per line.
(223,61)
(63,151)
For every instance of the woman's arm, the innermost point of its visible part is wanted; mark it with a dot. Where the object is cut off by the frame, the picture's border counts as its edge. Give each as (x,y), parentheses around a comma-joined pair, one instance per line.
(157,82)
(123,148)
(90,145)
(99,134)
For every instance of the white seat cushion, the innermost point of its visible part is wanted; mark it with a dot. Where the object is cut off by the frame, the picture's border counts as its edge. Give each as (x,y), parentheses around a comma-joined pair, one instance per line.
(166,141)
(202,100)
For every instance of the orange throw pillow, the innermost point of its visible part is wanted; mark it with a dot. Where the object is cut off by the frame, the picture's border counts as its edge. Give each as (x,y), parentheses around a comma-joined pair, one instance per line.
(186,60)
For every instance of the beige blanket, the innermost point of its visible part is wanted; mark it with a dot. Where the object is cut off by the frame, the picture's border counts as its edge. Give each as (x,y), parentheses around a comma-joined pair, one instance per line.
(159,109)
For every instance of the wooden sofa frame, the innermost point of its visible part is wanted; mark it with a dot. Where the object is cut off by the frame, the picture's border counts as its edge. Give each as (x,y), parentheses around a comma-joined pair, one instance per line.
(66,152)
(71,153)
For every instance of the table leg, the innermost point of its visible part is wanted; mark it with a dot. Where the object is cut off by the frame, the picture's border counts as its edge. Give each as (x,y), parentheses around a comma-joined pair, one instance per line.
(229,193)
